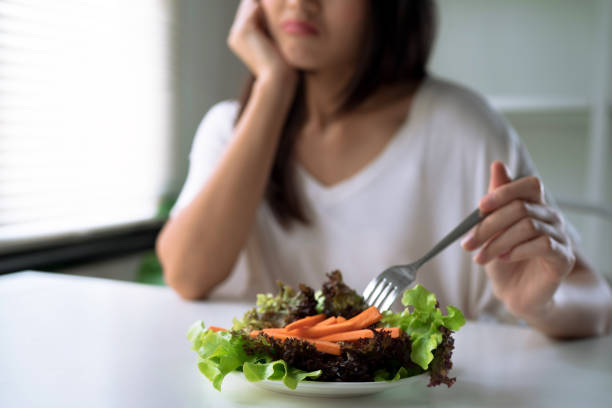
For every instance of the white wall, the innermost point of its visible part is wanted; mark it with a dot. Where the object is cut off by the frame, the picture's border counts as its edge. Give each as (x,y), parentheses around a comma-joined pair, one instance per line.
(518,47)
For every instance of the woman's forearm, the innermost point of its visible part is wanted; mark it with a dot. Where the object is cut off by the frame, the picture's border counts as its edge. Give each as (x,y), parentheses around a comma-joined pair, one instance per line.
(200,245)
(582,306)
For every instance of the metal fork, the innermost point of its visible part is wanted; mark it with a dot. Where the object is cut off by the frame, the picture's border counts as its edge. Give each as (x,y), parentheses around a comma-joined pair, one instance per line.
(384,289)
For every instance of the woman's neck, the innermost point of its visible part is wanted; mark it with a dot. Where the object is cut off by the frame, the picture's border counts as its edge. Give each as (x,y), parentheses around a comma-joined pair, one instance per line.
(324,93)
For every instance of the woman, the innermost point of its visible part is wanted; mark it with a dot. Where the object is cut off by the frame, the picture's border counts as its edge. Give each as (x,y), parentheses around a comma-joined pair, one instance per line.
(345,154)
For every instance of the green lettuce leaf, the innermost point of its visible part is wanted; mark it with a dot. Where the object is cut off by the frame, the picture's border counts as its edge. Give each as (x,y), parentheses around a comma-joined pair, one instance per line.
(277,370)
(339,299)
(423,322)
(403,372)
(220,353)
(278,310)
(320,299)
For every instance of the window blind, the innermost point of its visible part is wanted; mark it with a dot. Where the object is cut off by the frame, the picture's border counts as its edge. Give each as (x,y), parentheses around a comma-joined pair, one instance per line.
(85,115)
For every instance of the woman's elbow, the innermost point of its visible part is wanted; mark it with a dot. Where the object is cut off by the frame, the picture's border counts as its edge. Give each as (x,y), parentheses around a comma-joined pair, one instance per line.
(174,273)
(192,276)
(184,289)
(176,277)
(181,279)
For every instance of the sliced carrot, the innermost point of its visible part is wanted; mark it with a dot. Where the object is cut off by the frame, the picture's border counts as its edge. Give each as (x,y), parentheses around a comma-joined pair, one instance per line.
(322,346)
(330,320)
(326,346)
(393,331)
(364,319)
(216,329)
(353,335)
(320,331)
(297,332)
(282,336)
(275,330)
(307,321)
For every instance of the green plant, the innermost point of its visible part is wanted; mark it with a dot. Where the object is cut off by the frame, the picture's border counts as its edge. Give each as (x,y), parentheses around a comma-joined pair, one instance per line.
(150,270)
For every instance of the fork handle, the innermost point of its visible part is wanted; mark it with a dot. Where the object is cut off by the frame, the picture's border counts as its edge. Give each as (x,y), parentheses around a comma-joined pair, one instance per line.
(468,223)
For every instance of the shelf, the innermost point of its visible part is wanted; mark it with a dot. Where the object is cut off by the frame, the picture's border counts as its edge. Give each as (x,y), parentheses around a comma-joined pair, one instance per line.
(521,104)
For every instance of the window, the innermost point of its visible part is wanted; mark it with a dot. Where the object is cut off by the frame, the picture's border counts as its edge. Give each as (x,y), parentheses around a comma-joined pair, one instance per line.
(85,116)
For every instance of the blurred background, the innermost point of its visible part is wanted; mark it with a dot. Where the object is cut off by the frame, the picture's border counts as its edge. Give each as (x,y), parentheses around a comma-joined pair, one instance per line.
(100,100)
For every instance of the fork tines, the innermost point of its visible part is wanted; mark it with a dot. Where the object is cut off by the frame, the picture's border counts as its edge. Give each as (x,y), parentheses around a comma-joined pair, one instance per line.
(381,293)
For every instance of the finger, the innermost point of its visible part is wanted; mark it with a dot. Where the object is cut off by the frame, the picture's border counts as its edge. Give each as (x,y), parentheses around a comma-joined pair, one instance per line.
(527,188)
(519,233)
(500,175)
(247,15)
(504,217)
(541,246)
(246,8)
(249,38)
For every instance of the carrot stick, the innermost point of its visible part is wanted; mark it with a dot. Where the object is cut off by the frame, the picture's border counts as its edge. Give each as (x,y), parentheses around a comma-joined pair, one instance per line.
(322,346)
(393,331)
(275,330)
(308,321)
(340,319)
(272,332)
(282,336)
(216,329)
(364,319)
(330,320)
(326,346)
(353,335)
(320,331)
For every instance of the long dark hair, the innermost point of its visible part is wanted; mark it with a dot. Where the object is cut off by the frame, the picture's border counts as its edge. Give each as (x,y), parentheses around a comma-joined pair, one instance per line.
(399,42)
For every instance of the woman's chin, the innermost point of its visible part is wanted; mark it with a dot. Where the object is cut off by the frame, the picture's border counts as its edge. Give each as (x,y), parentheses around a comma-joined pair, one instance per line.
(308,63)
(302,65)
(301,60)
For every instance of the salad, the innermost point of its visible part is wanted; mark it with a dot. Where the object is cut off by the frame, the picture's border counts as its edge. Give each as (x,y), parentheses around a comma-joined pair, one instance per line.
(330,335)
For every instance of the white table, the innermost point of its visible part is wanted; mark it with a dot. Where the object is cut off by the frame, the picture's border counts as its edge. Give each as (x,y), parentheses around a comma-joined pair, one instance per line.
(70,341)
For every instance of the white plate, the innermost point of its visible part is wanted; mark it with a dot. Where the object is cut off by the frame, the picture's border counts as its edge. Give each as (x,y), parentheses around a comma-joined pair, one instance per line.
(336,389)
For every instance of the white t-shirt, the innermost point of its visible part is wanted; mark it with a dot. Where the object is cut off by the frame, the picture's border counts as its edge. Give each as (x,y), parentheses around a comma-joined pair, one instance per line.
(428,178)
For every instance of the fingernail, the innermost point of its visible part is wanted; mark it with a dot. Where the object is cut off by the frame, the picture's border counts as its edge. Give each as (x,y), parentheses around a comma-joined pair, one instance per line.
(507,171)
(468,242)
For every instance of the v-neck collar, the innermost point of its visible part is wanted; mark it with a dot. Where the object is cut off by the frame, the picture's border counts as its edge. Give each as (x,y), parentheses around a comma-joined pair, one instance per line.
(320,193)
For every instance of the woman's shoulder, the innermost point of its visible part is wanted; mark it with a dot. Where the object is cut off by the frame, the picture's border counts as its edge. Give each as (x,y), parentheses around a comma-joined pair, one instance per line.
(457,109)
(218,122)
(452,101)
(226,107)
(222,112)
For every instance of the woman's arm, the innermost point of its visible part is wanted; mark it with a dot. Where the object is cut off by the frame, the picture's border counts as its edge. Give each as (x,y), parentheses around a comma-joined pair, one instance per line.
(581,306)
(199,246)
